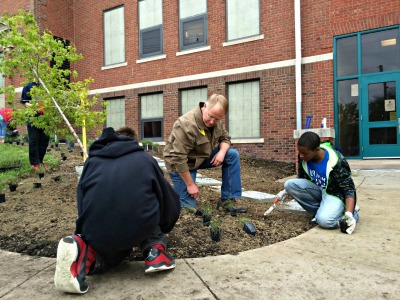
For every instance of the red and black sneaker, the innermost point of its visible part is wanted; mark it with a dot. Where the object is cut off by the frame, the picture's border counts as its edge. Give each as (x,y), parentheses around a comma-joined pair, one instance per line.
(158,260)
(46,166)
(74,259)
(35,167)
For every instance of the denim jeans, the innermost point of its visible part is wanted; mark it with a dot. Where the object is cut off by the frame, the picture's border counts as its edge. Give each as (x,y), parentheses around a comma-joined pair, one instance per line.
(3,127)
(231,182)
(327,209)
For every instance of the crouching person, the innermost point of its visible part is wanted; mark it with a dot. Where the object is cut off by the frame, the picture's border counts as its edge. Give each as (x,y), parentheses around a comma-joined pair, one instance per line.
(324,186)
(124,201)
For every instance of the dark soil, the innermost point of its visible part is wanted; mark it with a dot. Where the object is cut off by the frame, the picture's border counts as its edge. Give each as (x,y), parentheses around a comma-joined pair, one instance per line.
(34,219)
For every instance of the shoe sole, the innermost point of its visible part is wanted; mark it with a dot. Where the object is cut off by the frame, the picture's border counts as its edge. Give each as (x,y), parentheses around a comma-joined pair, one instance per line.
(67,253)
(152,269)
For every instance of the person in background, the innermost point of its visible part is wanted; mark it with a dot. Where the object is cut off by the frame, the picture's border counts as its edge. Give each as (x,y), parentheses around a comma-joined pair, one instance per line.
(324,186)
(124,201)
(38,139)
(5,117)
(199,141)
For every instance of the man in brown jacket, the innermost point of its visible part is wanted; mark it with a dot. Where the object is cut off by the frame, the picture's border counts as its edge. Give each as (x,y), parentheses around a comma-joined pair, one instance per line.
(199,141)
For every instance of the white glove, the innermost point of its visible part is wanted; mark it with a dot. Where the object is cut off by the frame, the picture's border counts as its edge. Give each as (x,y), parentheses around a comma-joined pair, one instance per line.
(350,221)
(281,195)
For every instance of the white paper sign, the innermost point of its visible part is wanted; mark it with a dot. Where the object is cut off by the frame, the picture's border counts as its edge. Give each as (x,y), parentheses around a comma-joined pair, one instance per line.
(354,90)
(390,105)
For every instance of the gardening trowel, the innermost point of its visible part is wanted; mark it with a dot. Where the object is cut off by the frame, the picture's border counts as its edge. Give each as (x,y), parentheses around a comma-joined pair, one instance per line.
(282,194)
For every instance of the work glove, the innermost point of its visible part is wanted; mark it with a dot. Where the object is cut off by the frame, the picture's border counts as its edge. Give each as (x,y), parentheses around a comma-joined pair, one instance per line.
(348,223)
(281,195)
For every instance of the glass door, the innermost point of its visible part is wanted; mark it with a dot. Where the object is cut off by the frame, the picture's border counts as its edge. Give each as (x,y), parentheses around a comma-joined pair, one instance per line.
(380,118)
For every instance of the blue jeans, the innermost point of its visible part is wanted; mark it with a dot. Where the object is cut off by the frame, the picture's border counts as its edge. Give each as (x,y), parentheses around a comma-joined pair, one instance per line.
(231,182)
(327,209)
(3,127)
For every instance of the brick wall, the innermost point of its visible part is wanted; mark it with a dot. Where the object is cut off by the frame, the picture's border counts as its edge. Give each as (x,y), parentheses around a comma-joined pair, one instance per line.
(82,23)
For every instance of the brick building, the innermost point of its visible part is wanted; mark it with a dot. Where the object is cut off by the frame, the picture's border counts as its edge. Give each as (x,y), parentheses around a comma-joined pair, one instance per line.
(276,61)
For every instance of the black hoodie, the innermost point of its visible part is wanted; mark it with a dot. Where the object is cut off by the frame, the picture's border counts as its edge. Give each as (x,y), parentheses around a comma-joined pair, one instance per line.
(122,195)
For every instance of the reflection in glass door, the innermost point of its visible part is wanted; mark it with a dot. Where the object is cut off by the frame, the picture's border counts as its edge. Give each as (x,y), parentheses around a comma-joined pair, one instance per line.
(381,117)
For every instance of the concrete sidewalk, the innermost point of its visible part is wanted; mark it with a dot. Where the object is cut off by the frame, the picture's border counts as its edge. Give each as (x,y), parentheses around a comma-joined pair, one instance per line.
(319,264)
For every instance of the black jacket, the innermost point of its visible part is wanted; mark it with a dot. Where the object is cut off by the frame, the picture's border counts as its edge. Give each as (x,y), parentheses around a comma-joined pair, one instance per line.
(122,195)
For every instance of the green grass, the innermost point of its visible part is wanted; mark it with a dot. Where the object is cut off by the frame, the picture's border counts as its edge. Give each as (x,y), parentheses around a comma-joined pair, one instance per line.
(11,154)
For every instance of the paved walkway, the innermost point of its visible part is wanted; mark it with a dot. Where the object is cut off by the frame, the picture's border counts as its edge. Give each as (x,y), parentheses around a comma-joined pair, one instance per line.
(319,264)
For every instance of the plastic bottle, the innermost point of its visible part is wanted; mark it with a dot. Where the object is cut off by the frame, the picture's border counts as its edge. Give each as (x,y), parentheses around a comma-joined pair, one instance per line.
(323,123)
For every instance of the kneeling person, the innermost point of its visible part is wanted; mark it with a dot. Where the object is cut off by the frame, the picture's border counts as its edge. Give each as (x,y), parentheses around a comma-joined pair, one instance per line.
(123,201)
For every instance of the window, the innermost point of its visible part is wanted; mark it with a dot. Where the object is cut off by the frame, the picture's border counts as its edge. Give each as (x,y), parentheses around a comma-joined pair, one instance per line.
(347,57)
(115,113)
(380,51)
(114,36)
(244,109)
(243,18)
(348,106)
(151,117)
(191,98)
(193,23)
(150,26)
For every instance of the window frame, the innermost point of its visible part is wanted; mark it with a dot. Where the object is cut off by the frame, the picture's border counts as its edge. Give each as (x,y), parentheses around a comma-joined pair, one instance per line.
(155,139)
(228,117)
(242,37)
(108,100)
(104,37)
(142,31)
(182,22)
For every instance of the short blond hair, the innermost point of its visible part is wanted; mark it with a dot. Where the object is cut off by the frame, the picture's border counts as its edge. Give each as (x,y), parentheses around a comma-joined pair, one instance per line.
(218,98)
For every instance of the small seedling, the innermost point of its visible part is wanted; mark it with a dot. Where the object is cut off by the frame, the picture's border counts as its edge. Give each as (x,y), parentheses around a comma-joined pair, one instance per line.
(215,230)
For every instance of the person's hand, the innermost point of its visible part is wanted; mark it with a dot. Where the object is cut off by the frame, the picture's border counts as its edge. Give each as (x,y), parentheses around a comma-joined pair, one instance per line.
(193,190)
(218,159)
(350,221)
(281,195)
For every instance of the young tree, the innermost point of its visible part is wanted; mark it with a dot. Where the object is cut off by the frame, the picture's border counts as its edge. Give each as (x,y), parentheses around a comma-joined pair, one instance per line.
(38,57)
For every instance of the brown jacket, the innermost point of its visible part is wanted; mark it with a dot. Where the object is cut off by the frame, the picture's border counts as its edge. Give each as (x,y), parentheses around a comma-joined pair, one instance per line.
(191,141)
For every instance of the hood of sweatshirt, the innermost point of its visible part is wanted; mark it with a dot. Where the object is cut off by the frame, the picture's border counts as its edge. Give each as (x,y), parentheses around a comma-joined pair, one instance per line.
(111,144)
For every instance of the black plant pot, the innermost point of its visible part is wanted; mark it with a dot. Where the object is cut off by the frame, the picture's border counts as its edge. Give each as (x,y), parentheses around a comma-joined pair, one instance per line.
(70,146)
(13,187)
(249,228)
(206,220)
(57,178)
(2,198)
(64,158)
(215,234)
(41,175)
(199,213)
(37,185)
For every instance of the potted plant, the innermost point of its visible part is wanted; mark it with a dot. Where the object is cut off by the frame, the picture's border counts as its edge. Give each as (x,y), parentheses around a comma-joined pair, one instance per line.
(207,213)
(37,185)
(70,142)
(41,171)
(2,195)
(248,226)
(57,178)
(215,230)
(13,184)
